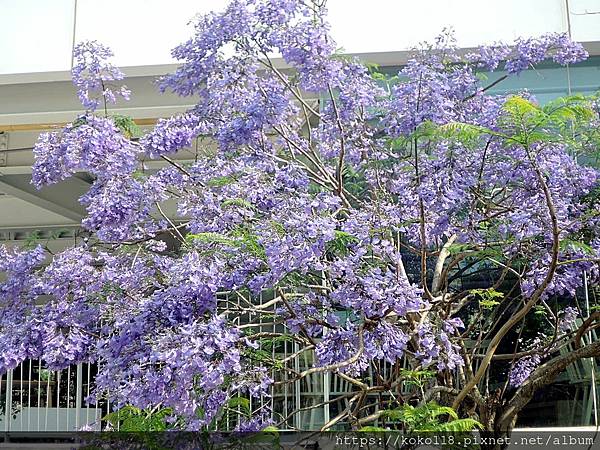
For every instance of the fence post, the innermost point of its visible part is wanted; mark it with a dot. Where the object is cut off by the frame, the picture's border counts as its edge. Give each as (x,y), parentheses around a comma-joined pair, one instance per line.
(8,406)
(78,395)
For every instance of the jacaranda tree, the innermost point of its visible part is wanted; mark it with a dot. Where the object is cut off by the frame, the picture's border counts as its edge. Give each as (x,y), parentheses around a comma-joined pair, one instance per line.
(315,181)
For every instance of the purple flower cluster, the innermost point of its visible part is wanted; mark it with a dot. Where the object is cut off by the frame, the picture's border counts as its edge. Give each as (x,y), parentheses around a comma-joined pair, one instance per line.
(255,424)
(90,144)
(173,368)
(438,346)
(93,75)
(343,347)
(308,316)
(534,50)
(119,208)
(16,304)
(526,53)
(171,135)
(522,369)
(568,318)
(376,293)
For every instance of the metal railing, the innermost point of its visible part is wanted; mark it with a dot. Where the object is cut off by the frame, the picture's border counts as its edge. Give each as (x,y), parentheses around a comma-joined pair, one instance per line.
(33,398)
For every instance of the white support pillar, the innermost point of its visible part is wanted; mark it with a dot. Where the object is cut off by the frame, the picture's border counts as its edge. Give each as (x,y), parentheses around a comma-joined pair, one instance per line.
(78,396)
(8,405)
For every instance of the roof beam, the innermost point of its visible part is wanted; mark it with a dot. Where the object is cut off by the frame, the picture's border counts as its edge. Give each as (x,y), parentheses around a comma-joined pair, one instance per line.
(61,199)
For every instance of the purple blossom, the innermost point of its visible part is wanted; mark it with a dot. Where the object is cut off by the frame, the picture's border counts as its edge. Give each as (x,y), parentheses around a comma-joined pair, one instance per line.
(173,134)
(93,75)
(92,144)
(384,342)
(535,50)
(567,319)
(522,369)
(254,424)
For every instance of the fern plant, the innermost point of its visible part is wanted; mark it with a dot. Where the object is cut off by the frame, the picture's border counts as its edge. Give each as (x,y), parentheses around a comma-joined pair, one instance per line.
(132,419)
(430,417)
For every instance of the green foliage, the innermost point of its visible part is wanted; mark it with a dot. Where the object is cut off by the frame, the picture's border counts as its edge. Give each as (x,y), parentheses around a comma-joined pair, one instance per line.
(127,126)
(35,237)
(455,249)
(32,240)
(139,175)
(221,181)
(464,133)
(211,238)
(279,228)
(488,298)
(109,289)
(264,357)
(397,145)
(566,244)
(340,243)
(239,202)
(46,375)
(573,107)
(459,426)
(416,377)
(268,344)
(81,120)
(383,79)
(241,238)
(239,405)
(593,197)
(430,417)
(525,122)
(248,241)
(371,429)
(132,419)
(354,182)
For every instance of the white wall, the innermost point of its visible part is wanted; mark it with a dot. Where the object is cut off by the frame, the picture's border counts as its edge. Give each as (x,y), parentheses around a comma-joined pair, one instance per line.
(37,35)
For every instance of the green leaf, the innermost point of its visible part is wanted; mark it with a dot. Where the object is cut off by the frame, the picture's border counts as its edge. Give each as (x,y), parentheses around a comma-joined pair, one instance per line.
(127,126)
(210,238)
(488,298)
(340,243)
(249,242)
(240,202)
(221,181)
(455,249)
(132,419)
(566,244)
(437,410)
(429,417)
(416,377)
(240,404)
(459,426)
(32,239)
(463,132)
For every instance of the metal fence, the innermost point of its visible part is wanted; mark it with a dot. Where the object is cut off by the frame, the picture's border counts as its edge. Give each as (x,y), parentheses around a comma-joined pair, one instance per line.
(33,398)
